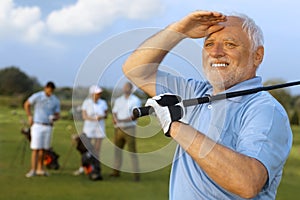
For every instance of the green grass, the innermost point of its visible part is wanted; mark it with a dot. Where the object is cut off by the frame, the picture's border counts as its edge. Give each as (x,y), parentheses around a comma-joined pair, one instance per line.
(63,185)
(290,184)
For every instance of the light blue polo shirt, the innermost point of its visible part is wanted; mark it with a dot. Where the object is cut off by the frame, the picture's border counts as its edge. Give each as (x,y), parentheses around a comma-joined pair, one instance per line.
(255,125)
(44,106)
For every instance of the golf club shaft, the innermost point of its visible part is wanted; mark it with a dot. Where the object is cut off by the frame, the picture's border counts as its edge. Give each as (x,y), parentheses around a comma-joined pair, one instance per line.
(143,111)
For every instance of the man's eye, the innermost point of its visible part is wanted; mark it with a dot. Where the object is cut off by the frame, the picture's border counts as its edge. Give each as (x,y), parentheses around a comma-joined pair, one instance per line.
(230,45)
(209,44)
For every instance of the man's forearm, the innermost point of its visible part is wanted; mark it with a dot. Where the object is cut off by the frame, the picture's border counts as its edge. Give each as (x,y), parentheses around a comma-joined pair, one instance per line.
(233,171)
(28,112)
(142,65)
(27,108)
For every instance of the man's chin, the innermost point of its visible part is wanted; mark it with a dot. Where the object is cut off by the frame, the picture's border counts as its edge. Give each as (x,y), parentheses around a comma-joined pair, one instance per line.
(217,84)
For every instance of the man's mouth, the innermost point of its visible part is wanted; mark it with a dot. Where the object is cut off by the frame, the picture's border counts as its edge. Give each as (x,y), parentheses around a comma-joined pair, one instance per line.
(219,64)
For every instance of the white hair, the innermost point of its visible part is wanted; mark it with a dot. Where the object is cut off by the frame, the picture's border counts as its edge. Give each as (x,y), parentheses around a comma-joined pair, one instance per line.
(253,31)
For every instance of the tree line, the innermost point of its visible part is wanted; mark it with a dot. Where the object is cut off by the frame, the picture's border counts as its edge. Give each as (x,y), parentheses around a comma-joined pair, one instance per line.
(14,82)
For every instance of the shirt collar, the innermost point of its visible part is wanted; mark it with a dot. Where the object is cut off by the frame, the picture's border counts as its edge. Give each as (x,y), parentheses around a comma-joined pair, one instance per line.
(124,96)
(245,85)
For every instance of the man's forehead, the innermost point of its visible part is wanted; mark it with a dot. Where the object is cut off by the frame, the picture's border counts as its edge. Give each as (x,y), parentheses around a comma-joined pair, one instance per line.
(233,21)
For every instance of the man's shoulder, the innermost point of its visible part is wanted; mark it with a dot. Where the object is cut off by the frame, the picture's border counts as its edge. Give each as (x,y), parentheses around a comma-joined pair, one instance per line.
(134,97)
(55,98)
(35,96)
(265,102)
(119,98)
(39,93)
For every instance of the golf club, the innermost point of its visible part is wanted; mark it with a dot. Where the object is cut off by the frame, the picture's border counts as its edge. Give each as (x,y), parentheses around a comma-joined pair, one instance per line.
(143,111)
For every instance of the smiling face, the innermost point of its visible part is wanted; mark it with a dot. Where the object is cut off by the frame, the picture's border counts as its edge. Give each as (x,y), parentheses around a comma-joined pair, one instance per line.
(228,58)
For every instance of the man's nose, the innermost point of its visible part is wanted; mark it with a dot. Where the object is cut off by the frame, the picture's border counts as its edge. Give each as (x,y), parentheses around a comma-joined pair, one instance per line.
(217,51)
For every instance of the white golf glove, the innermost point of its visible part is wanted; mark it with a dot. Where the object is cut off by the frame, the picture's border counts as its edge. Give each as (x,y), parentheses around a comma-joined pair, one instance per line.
(168,108)
(51,119)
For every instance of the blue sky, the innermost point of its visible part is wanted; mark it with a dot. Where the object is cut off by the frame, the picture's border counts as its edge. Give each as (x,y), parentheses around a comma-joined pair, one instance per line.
(53,39)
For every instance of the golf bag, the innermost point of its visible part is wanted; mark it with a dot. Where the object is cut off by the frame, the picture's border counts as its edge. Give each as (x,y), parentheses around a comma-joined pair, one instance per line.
(90,164)
(50,158)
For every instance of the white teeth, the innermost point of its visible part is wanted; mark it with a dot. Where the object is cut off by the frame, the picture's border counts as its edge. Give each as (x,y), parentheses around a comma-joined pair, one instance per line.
(219,65)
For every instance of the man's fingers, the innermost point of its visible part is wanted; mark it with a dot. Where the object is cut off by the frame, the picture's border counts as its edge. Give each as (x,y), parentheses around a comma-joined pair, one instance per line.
(214,28)
(205,15)
(196,24)
(209,18)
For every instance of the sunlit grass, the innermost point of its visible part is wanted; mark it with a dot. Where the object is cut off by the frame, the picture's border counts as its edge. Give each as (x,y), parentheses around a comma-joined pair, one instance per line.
(63,185)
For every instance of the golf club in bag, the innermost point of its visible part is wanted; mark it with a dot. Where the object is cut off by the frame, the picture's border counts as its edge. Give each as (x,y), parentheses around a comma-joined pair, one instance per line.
(143,111)
(90,164)
(24,142)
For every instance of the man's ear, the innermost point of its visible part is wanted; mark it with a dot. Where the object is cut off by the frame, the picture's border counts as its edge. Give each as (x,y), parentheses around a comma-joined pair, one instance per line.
(258,56)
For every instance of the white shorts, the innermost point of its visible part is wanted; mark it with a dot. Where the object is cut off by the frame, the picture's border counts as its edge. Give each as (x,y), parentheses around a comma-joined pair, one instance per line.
(95,134)
(40,136)
(94,129)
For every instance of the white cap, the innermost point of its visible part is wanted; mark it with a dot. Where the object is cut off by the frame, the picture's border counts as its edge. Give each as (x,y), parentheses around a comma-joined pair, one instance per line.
(94,89)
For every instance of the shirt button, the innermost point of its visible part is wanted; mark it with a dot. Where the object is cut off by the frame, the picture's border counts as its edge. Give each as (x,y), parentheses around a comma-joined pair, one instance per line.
(209,106)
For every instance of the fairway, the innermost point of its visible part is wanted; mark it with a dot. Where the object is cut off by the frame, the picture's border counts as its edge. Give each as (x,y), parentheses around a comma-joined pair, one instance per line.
(63,185)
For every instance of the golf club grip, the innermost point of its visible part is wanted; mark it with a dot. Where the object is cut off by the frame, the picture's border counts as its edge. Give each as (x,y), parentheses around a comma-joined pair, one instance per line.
(142,111)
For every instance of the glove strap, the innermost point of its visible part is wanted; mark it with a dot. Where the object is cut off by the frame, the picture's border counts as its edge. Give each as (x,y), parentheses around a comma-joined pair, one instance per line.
(176,113)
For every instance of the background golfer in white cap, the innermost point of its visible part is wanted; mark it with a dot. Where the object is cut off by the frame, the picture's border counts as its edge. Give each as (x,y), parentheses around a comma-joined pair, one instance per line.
(94,112)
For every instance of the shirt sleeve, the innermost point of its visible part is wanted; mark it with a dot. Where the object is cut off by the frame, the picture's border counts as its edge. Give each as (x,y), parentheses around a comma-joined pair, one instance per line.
(84,105)
(33,98)
(266,136)
(57,107)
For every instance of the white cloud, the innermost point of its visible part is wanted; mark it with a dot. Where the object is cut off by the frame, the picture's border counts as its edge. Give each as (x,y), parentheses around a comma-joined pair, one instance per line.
(83,17)
(23,23)
(88,16)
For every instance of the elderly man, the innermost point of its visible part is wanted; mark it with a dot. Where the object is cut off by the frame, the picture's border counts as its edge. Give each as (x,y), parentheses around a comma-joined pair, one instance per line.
(232,149)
